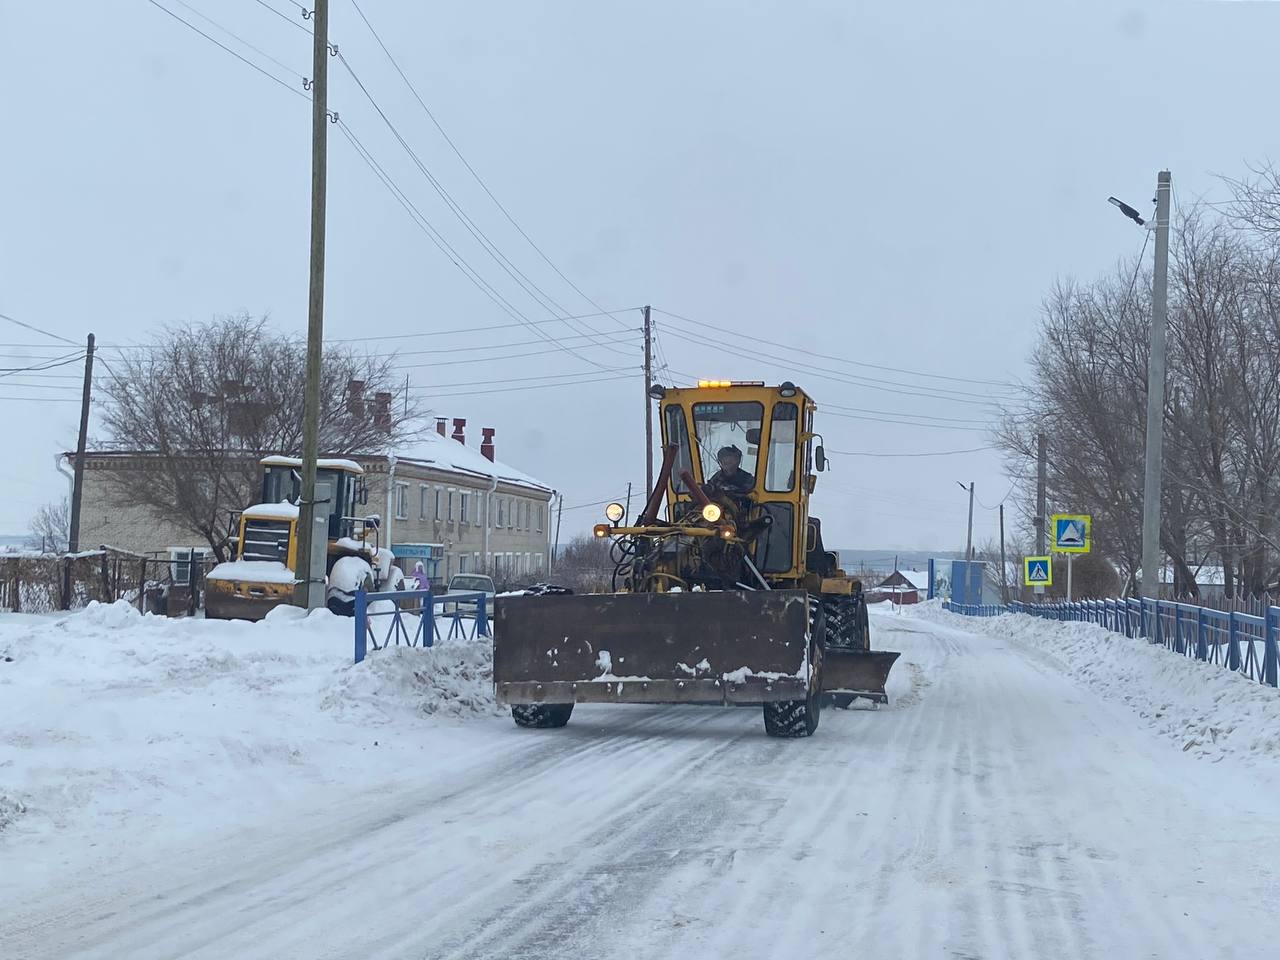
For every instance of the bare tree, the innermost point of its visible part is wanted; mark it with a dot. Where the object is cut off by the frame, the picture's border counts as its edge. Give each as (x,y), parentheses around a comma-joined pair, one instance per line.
(1221,486)
(49,528)
(205,402)
(585,565)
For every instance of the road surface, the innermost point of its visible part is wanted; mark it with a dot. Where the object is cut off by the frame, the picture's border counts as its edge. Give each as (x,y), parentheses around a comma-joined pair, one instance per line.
(997,809)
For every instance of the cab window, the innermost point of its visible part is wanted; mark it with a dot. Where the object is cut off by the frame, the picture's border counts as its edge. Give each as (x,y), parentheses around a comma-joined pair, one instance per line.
(735,425)
(679,435)
(780,464)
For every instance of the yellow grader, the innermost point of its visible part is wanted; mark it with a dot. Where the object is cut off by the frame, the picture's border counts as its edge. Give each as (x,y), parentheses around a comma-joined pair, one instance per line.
(729,598)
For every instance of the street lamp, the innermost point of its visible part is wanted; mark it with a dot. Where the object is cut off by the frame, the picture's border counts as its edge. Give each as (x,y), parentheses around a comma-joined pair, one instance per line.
(968,543)
(1155,384)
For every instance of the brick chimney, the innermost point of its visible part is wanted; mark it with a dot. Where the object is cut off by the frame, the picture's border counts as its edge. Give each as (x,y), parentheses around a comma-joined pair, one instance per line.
(382,411)
(458,426)
(440,426)
(355,398)
(486,445)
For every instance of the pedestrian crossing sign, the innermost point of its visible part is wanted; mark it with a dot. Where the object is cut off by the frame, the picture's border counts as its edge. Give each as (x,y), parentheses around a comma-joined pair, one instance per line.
(1071,532)
(1037,571)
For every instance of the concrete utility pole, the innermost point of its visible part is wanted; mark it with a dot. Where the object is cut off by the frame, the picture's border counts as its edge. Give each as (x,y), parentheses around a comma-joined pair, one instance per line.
(77,488)
(648,403)
(310,590)
(1042,465)
(1155,395)
(968,540)
(1004,570)
(555,550)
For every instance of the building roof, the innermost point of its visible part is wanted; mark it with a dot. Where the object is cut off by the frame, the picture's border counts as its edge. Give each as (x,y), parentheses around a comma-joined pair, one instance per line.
(445,453)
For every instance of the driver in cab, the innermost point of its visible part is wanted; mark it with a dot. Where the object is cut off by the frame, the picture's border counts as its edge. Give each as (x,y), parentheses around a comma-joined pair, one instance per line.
(731,478)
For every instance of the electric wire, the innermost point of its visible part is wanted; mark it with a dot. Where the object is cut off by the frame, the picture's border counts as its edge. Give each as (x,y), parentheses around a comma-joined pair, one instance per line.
(14,320)
(466,163)
(245,60)
(826,356)
(522,280)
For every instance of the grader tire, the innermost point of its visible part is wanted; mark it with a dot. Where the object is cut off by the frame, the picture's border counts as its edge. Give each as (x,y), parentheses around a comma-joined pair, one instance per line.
(793,719)
(542,716)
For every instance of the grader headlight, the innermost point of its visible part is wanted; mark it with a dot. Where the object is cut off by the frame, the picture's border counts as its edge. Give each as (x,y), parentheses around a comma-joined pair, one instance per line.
(712,512)
(601,530)
(615,512)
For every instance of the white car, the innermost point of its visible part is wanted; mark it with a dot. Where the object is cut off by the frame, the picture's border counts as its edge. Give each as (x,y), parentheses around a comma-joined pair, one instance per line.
(471,583)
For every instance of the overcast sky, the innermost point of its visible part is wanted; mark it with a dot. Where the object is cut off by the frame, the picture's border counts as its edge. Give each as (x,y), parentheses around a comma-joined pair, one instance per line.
(889,184)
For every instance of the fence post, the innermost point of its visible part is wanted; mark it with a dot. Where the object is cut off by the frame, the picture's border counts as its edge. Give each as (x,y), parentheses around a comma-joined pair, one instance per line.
(66,583)
(105,573)
(142,585)
(1269,655)
(1202,640)
(482,615)
(429,611)
(17,586)
(1233,642)
(362,624)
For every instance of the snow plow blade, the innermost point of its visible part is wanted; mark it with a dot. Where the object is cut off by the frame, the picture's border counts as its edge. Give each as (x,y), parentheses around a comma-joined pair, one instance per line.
(715,647)
(849,674)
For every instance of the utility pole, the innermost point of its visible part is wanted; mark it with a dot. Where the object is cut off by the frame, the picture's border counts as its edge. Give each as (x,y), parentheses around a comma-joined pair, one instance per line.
(627,515)
(310,590)
(1004,570)
(1155,395)
(648,403)
(968,540)
(555,550)
(1042,466)
(77,489)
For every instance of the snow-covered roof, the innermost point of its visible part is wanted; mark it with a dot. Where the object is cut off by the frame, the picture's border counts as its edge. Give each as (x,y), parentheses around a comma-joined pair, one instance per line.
(324,463)
(446,453)
(917,578)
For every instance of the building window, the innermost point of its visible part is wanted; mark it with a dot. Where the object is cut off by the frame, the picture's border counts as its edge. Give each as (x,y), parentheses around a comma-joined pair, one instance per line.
(464,564)
(451,506)
(438,514)
(511,514)
(541,518)
(462,510)
(502,512)
(424,500)
(180,563)
(402,501)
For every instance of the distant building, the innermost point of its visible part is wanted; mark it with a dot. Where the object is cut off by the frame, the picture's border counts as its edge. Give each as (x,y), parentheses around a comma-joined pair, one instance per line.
(452,507)
(902,586)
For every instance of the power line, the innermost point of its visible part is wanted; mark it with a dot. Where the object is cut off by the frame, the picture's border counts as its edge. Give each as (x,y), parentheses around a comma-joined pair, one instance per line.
(477,383)
(445,247)
(838,376)
(470,169)
(540,386)
(936,453)
(498,326)
(613,338)
(285,17)
(825,356)
(5,316)
(239,39)
(538,295)
(245,60)
(48,365)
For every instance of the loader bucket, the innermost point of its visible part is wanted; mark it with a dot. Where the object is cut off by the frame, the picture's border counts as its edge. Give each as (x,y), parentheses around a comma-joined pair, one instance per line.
(849,674)
(714,647)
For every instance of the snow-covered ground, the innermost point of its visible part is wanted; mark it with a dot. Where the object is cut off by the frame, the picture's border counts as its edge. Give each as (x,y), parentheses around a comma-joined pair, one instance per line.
(193,789)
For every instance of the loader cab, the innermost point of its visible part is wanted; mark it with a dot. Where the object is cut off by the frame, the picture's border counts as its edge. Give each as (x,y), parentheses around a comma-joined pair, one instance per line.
(772,427)
(282,481)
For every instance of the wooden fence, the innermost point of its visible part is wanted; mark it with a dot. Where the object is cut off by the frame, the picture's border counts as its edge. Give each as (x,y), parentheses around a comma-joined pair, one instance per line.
(44,583)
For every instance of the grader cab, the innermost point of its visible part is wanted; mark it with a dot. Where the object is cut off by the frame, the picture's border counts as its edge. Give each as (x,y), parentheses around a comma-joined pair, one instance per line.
(723,590)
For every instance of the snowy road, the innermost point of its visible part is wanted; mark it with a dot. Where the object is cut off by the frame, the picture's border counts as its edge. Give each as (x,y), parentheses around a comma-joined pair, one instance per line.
(998,809)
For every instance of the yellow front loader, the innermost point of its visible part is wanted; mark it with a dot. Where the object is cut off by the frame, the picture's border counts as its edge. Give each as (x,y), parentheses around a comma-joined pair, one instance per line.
(723,591)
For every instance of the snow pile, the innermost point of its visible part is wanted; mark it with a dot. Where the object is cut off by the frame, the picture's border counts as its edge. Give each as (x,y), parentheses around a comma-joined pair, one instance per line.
(108,717)
(1205,709)
(454,680)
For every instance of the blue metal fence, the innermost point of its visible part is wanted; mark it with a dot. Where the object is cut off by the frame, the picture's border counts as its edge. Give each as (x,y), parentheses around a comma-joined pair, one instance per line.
(413,618)
(1243,642)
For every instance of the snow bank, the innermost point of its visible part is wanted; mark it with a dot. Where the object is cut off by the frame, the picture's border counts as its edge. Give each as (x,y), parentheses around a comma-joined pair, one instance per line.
(108,717)
(1205,709)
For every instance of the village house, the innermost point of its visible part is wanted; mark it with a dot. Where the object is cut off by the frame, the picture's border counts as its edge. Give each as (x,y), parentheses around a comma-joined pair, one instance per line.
(450,506)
